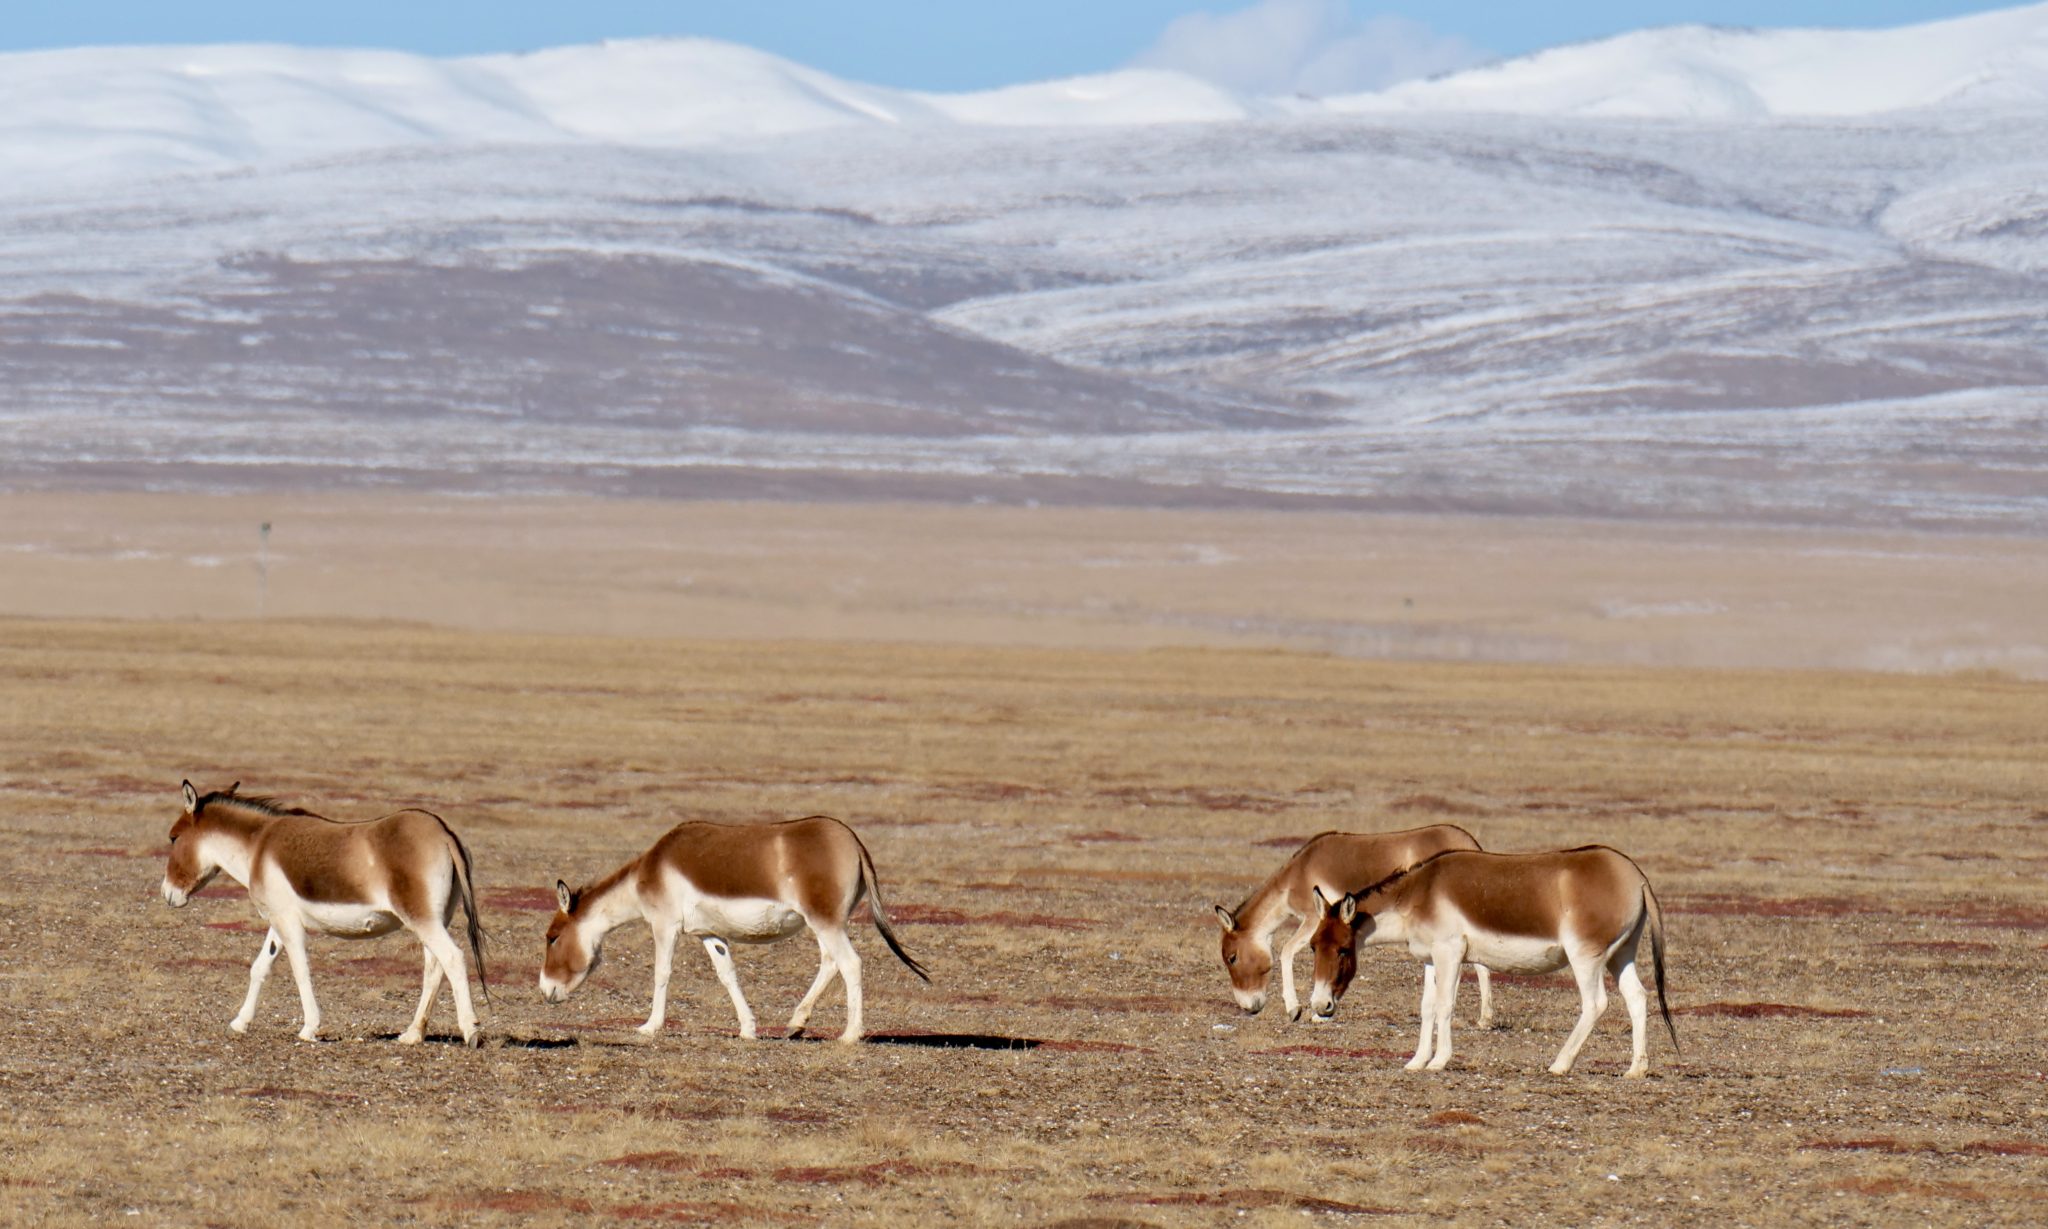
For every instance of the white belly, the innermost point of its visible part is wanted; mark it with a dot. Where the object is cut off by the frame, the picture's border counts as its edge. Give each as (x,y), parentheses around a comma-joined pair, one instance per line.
(349,921)
(1514,953)
(741,920)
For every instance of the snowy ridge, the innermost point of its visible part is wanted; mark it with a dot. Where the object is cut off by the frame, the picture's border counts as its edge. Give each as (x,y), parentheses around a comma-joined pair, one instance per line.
(130,111)
(1996,59)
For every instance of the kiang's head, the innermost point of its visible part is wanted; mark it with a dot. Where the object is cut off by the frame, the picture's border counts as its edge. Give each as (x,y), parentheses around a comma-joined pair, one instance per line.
(191,864)
(1248,959)
(1335,944)
(573,950)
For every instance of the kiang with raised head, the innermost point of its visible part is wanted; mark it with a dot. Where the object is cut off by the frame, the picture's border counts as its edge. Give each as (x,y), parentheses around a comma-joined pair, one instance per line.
(357,880)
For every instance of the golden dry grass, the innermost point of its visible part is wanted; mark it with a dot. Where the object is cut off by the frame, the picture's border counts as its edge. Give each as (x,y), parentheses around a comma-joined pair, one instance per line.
(1852,866)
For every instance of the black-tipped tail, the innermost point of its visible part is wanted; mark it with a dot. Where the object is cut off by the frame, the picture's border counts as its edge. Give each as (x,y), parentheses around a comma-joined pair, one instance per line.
(867,870)
(1656,913)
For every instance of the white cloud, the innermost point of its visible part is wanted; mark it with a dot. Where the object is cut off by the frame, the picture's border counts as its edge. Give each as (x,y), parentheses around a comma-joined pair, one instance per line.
(1305,47)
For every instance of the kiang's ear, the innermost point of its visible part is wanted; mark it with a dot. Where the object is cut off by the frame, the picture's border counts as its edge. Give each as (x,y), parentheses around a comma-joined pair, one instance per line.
(1223,916)
(191,798)
(563,899)
(1347,909)
(232,788)
(1322,901)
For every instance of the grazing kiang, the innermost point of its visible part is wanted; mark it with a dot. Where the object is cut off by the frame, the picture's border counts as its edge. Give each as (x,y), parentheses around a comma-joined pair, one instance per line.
(307,873)
(1333,863)
(725,884)
(1587,908)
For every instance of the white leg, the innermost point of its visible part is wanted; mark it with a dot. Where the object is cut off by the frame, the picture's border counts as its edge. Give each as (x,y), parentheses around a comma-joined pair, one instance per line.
(430,985)
(1485,996)
(1288,951)
(827,970)
(1452,960)
(1592,1001)
(258,971)
(1638,1004)
(294,940)
(1427,1039)
(441,946)
(721,959)
(848,960)
(664,966)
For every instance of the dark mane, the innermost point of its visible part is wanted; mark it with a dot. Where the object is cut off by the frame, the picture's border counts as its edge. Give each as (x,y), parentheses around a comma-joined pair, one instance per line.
(1401,874)
(261,803)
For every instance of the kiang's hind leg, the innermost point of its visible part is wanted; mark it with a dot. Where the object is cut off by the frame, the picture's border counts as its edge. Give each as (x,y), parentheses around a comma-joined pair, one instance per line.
(721,960)
(1485,995)
(430,985)
(839,947)
(1587,971)
(1628,977)
(258,971)
(441,946)
(827,970)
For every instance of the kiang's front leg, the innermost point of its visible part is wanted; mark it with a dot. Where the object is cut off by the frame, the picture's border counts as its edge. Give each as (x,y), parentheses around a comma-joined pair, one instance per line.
(1288,951)
(664,965)
(1425,1042)
(1449,958)
(259,970)
(293,935)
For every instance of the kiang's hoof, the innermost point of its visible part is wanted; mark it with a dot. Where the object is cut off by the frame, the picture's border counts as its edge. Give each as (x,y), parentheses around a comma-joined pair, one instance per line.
(410,1038)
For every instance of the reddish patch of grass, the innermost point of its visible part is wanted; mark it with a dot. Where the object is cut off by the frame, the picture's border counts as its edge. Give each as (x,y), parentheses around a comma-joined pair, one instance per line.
(1316,1051)
(529,900)
(2005,1147)
(1873,1143)
(103,852)
(200,962)
(665,1162)
(1434,803)
(1453,1118)
(229,892)
(1103,837)
(1900,1186)
(1758,1011)
(379,966)
(1943,945)
(1280,842)
(807,1117)
(1247,1199)
(702,1212)
(1196,797)
(248,928)
(520,1203)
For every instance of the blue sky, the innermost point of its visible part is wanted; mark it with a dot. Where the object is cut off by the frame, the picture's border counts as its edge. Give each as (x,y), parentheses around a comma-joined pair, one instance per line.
(1316,45)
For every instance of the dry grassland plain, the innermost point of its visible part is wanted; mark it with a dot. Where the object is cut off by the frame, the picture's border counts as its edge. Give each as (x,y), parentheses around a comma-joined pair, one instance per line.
(1851,863)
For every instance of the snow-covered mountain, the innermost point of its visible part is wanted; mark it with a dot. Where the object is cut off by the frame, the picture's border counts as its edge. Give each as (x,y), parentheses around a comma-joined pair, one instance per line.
(679,266)
(1990,60)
